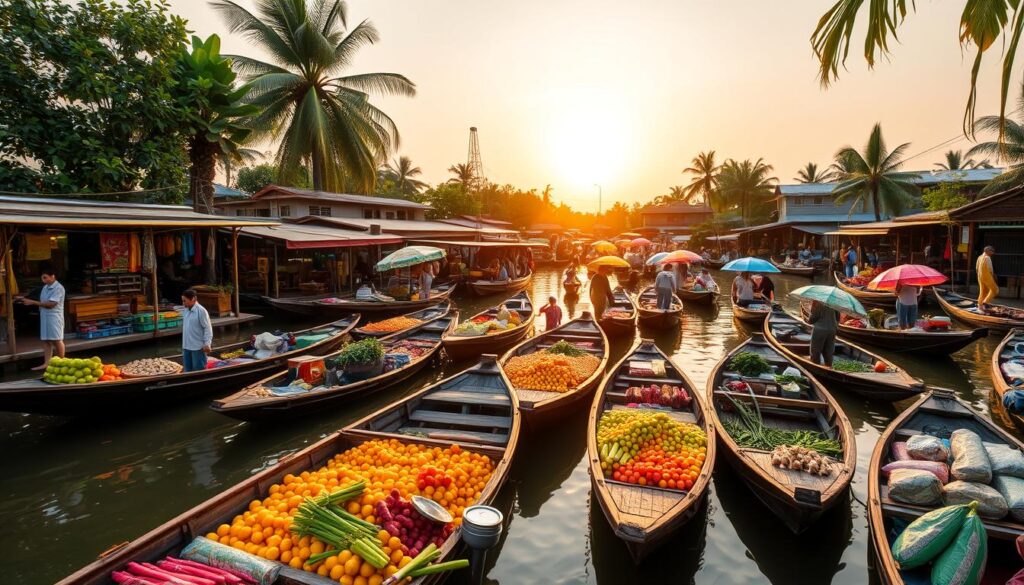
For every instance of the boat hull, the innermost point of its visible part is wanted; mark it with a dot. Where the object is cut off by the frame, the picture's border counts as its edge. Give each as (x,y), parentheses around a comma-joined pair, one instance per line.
(808,271)
(946,300)
(882,300)
(490,287)
(999,383)
(310,306)
(707,298)
(749,316)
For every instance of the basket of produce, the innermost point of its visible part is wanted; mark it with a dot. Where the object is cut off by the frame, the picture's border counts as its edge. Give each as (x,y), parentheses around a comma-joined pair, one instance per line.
(147,367)
(390,325)
(79,371)
(560,368)
(360,360)
(649,448)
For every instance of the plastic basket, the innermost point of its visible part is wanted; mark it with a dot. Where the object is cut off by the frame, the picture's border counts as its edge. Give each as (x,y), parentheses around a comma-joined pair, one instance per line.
(105,332)
(148,326)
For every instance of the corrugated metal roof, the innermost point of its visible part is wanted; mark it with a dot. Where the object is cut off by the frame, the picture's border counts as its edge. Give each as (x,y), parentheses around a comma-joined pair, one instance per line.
(301,236)
(676,207)
(275,192)
(406,227)
(490,244)
(70,213)
(926,178)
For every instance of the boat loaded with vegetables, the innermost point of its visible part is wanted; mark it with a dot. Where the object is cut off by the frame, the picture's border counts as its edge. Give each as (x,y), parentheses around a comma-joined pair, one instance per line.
(385,327)
(555,371)
(782,432)
(377,502)
(945,496)
(854,368)
(493,330)
(620,316)
(75,386)
(651,448)
(356,370)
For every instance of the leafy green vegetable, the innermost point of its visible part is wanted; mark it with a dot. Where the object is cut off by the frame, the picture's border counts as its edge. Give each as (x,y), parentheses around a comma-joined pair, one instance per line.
(565,348)
(850,366)
(750,432)
(361,352)
(784,379)
(749,364)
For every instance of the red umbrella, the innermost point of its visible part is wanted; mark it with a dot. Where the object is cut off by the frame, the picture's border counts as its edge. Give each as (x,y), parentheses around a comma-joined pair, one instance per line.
(907,274)
(681,256)
(641,242)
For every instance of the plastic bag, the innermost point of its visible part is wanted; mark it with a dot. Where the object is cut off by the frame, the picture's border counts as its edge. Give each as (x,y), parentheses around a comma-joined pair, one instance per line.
(913,486)
(963,563)
(926,448)
(1005,459)
(970,461)
(928,536)
(899,451)
(991,503)
(1012,490)
(938,469)
(239,562)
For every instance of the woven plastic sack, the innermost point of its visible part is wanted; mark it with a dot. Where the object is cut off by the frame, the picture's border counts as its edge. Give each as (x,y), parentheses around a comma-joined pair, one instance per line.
(238,562)
(991,503)
(925,538)
(963,562)
(1012,490)
(913,486)
(899,451)
(970,461)
(940,470)
(926,448)
(1005,459)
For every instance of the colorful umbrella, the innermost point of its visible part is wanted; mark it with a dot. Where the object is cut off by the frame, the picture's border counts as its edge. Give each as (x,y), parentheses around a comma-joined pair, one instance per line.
(410,256)
(681,257)
(750,264)
(907,274)
(624,243)
(629,235)
(604,247)
(656,258)
(613,261)
(641,242)
(832,297)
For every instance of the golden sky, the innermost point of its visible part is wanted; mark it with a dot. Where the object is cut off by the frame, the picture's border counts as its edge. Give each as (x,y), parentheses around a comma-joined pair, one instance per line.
(578,92)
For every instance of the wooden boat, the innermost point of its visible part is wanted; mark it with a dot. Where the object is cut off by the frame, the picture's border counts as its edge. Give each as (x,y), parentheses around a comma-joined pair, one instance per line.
(572,288)
(920,342)
(1003,353)
(645,516)
(492,287)
(463,347)
(753,315)
(614,326)
(475,409)
(797,498)
(427,314)
(714,264)
(259,402)
(808,271)
(316,305)
(39,397)
(871,298)
(938,412)
(966,310)
(698,297)
(792,337)
(540,407)
(657,318)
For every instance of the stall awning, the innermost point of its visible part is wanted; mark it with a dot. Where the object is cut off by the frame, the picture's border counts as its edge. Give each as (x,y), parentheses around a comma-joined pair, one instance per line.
(863,232)
(69,213)
(408,228)
(816,228)
(490,244)
(881,228)
(311,237)
(728,238)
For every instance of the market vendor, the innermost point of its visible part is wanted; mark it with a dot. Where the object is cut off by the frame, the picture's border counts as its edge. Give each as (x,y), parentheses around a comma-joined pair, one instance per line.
(51,316)
(196,332)
(426,281)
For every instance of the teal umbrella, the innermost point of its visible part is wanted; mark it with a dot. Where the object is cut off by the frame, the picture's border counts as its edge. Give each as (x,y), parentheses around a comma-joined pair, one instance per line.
(750,264)
(410,256)
(832,297)
(654,259)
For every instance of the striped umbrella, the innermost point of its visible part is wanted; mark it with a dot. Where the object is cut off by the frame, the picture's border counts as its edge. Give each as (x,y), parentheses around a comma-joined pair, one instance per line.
(907,274)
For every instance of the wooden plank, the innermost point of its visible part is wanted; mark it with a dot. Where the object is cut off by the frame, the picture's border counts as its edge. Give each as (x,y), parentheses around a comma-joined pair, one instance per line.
(473,420)
(1001,529)
(777,400)
(454,435)
(463,397)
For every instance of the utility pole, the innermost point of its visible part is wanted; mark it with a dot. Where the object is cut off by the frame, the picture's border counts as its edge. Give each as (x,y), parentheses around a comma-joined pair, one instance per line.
(476,166)
(599,193)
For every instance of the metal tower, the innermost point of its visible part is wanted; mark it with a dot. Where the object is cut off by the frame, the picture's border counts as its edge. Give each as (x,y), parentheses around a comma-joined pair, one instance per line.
(476,164)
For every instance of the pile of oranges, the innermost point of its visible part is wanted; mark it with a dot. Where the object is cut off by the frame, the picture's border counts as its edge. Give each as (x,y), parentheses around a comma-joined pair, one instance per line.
(264,529)
(391,325)
(550,371)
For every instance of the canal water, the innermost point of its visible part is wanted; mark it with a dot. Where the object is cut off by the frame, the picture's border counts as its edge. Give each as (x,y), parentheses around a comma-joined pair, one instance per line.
(70,489)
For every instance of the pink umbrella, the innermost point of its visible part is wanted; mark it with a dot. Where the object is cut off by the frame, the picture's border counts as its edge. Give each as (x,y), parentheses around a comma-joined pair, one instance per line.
(907,274)
(681,256)
(641,242)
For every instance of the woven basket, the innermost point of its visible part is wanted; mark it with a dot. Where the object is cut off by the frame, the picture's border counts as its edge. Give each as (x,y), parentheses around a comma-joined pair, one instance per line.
(126,375)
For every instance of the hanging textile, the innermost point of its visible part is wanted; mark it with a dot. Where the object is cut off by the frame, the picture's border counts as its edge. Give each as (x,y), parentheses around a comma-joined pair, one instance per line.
(114,251)
(197,241)
(187,248)
(148,255)
(38,246)
(211,248)
(177,244)
(134,253)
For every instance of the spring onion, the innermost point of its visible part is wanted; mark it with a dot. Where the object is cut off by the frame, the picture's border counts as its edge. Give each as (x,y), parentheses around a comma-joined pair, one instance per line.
(751,432)
(440,568)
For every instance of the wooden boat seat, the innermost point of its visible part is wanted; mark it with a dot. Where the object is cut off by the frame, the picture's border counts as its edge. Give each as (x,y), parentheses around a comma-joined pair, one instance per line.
(777,400)
(462,396)
(643,380)
(469,420)
(677,415)
(1002,529)
(456,435)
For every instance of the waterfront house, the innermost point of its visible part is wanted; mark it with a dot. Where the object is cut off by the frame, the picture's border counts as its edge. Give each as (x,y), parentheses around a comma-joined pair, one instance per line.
(290,202)
(677,218)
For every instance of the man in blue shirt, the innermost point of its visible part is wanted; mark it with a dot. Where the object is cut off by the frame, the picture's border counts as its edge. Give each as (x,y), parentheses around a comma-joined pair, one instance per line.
(196,332)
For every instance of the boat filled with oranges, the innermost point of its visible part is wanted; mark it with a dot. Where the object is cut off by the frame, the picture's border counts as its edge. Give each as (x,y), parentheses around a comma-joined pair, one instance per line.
(402,323)
(348,508)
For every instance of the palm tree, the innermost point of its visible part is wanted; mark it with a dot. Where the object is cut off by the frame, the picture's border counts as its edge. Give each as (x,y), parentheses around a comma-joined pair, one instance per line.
(747,185)
(245,156)
(874,178)
(842,166)
(463,176)
(810,174)
(320,114)
(705,177)
(954,161)
(404,175)
(675,193)
(1008,150)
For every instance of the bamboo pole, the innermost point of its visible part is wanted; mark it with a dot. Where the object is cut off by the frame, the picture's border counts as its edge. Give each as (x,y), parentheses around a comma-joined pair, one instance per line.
(277,285)
(234,270)
(12,341)
(153,285)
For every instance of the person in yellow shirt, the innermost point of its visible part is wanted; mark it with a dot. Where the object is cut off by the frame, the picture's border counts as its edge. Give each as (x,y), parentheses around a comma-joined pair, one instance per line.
(987,286)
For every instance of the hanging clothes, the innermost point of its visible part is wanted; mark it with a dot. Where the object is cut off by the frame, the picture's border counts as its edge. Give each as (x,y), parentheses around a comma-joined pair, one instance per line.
(177,244)
(38,246)
(134,253)
(197,241)
(148,255)
(187,248)
(211,248)
(115,253)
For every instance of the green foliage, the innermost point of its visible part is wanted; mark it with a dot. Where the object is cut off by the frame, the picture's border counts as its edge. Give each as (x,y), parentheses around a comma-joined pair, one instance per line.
(86,95)
(748,186)
(361,352)
(705,185)
(254,179)
(873,179)
(1008,148)
(812,174)
(749,364)
(563,347)
(401,176)
(945,195)
(450,200)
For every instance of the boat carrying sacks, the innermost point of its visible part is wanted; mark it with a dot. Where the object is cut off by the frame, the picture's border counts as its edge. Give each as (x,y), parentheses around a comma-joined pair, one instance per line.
(970,461)
(963,562)
(1005,459)
(1012,490)
(926,448)
(925,538)
(990,503)
(940,470)
(239,562)
(914,486)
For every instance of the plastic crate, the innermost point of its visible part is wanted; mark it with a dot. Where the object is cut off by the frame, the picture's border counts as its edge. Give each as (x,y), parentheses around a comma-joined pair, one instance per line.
(148,326)
(106,332)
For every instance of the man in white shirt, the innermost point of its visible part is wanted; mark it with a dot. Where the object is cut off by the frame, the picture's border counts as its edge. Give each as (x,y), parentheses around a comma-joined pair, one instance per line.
(196,332)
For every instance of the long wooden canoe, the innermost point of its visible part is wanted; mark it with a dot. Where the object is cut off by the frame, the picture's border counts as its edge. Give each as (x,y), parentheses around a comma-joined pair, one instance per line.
(615,326)
(938,412)
(317,305)
(653,317)
(39,397)
(792,337)
(438,310)
(797,498)
(808,271)
(463,347)
(714,264)
(540,407)
(753,316)
(966,310)
(871,298)
(492,287)
(698,297)
(645,516)
(260,401)
(474,409)
(1002,354)
(907,341)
